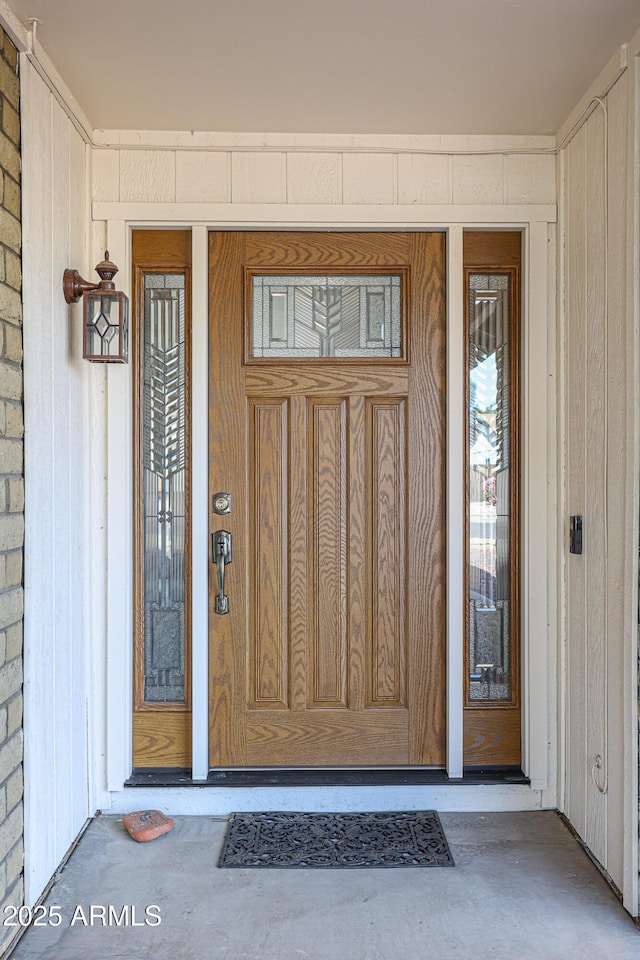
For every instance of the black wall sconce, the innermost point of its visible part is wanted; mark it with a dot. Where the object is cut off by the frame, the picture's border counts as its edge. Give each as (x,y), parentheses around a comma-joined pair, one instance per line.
(105,313)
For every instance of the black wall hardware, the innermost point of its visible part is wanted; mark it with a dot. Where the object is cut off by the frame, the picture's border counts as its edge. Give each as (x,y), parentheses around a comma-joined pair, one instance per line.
(575,535)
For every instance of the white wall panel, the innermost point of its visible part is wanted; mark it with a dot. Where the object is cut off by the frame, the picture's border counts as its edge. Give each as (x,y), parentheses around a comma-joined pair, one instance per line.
(40,760)
(478,179)
(321,177)
(531,178)
(258,177)
(55,223)
(599,351)
(368,178)
(202,177)
(424,178)
(148,175)
(595,469)
(98,240)
(620,460)
(314,178)
(62,391)
(576,503)
(106,174)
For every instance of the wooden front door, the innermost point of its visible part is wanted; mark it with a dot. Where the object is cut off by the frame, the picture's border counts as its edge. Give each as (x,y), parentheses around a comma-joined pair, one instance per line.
(329,438)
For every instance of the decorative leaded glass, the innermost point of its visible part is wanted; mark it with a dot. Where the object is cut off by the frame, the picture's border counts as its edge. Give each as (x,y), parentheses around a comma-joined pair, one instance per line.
(489,487)
(106,321)
(321,316)
(164,479)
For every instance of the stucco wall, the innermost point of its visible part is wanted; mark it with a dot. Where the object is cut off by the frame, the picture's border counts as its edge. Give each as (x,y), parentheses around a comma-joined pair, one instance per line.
(11,492)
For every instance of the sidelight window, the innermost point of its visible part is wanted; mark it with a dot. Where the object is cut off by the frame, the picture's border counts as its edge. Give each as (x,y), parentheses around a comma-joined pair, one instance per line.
(164,489)
(161,271)
(492,636)
(489,487)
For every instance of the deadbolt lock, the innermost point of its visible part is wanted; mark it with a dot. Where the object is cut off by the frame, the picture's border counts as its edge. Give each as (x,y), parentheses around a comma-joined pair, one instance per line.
(222,503)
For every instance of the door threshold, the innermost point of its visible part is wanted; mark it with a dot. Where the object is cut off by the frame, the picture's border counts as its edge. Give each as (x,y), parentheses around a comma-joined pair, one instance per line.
(323,776)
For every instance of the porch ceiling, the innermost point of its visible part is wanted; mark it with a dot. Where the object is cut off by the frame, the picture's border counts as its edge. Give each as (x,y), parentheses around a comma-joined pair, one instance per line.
(340,66)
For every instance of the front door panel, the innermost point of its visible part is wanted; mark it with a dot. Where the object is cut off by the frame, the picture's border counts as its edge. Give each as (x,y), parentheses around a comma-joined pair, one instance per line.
(333,649)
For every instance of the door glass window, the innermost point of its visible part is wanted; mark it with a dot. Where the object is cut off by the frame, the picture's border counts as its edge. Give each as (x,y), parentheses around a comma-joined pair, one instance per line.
(326,316)
(164,469)
(489,487)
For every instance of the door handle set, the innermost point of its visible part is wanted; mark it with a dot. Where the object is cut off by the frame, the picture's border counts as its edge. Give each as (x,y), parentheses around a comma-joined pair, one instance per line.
(221,550)
(221,543)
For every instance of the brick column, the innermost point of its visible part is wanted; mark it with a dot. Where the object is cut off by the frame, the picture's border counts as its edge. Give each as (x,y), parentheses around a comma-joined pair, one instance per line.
(11,490)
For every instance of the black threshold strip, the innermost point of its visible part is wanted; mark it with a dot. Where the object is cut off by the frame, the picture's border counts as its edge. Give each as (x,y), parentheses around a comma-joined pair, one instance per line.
(322,777)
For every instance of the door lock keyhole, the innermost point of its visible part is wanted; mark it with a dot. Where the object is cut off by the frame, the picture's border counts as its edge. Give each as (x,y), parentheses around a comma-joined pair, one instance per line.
(222,503)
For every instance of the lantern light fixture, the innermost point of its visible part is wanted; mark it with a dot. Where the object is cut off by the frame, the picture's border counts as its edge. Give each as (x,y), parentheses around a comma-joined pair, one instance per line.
(105,313)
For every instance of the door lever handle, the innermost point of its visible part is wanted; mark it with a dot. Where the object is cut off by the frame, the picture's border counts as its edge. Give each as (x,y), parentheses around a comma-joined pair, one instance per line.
(221,549)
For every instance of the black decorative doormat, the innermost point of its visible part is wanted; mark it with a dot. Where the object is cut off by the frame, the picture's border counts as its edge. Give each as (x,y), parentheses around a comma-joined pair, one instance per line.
(334,840)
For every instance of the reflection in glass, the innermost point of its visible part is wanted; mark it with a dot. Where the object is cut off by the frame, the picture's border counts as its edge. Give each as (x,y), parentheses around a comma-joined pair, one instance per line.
(320,316)
(489,487)
(164,465)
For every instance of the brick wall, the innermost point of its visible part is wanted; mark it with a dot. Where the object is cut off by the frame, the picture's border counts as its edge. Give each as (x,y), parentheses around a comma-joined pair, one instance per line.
(11,489)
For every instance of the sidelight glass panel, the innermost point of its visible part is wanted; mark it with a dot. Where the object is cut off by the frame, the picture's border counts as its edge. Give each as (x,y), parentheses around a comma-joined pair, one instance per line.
(164,476)
(326,316)
(489,487)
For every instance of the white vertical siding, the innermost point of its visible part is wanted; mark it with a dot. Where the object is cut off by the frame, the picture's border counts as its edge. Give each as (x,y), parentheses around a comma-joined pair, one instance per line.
(106,174)
(424,178)
(55,186)
(314,178)
(258,178)
(319,176)
(369,178)
(598,372)
(576,448)
(621,510)
(202,177)
(148,175)
(479,179)
(530,179)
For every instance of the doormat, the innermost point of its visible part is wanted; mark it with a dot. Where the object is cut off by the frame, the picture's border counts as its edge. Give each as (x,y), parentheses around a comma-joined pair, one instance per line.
(334,840)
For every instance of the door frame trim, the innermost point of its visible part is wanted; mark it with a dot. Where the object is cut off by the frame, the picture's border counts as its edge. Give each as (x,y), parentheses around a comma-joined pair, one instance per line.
(456,492)
(538,436)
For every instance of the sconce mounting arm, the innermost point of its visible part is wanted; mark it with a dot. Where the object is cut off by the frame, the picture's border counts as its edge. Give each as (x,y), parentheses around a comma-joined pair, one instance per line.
(74,286)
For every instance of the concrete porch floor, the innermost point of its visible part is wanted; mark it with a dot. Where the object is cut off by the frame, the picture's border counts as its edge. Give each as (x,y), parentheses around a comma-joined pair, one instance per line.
(522,888)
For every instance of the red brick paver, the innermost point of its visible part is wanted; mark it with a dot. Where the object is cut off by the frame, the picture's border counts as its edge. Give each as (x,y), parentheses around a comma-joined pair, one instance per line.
(145,825)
